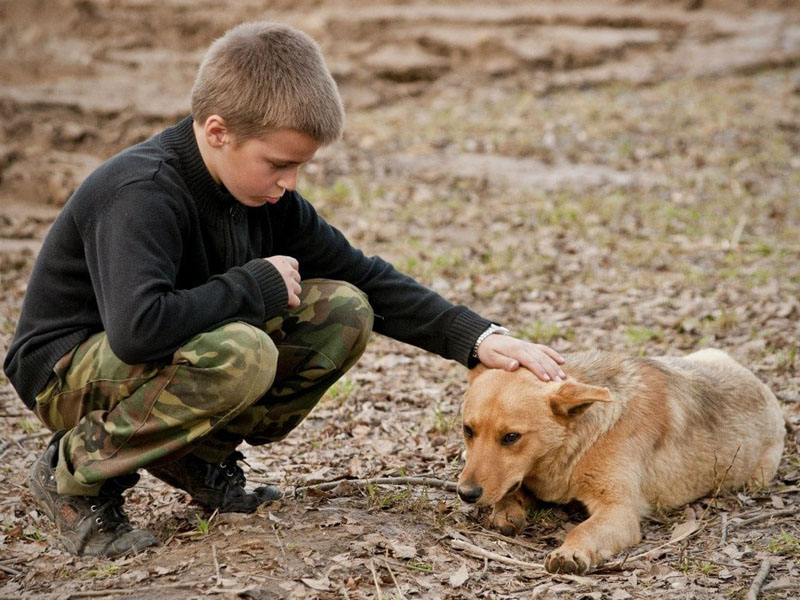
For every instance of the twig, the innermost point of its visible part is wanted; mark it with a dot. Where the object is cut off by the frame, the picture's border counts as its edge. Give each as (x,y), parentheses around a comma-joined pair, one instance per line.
(487,554)
(788,490)
(738,230)
(280,542)
(378,591)
(777,586)
(505,538)
(483,553)
(10,571)
(125,591)
(484,569)
(30,436)
(216,564)
(755,587)
(655,550)
(724,537)
(426,481)
(213,514)
(718,487)
(230,592)
(763,517)
(396,585)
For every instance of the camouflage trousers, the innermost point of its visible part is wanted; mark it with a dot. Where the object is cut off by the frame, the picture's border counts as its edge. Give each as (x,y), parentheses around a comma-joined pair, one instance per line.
(235,383)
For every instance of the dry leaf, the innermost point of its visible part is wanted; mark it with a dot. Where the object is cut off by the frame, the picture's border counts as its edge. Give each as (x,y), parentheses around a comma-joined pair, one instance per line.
(403,550)
(683,530)
(321,585)
(459,577)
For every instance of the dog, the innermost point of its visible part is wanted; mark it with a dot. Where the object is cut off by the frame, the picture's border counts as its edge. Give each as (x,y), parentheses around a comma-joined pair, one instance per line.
(621,435)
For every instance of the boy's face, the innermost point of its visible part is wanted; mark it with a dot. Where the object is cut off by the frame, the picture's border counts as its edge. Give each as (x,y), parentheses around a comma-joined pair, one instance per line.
(258,170)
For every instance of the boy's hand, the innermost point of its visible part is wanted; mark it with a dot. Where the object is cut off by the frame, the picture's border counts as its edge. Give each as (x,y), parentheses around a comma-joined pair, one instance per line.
(288,268)
(505,352)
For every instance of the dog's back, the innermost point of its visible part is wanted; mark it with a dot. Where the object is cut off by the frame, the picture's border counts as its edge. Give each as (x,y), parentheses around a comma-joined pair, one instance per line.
(729,431)
(694,424)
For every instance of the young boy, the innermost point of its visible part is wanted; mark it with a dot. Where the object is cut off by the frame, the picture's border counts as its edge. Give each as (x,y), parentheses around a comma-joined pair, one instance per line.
(187,299)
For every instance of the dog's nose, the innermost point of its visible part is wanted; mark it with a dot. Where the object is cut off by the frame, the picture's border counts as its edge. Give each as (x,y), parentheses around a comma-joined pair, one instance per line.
(469,492)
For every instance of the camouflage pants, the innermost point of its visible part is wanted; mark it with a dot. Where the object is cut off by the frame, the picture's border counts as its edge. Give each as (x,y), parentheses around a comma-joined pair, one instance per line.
(235,383)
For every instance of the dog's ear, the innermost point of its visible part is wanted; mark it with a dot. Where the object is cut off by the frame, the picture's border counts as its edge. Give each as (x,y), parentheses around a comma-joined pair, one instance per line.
(573,398)
(475,371)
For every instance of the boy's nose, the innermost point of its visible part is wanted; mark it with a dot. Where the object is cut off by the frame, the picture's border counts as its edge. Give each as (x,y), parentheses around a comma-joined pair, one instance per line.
(289,180)
(469,492)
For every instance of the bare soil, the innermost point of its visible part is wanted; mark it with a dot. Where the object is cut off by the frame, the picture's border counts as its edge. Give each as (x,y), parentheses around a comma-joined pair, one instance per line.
(616,175)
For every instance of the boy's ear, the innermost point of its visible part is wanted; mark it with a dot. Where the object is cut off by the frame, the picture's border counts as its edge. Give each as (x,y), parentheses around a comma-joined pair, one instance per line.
(573,398)
(475,371)
(216,131)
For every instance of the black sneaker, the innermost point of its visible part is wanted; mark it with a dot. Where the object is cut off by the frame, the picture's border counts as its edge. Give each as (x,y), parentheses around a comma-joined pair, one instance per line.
(215,486)
(87,525)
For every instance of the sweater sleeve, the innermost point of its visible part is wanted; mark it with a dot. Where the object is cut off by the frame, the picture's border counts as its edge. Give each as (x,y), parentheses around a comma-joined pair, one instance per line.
(134,249)
(404,309)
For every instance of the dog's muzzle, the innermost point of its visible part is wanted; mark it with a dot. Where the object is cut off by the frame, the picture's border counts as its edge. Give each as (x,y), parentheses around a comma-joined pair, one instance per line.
(469,492)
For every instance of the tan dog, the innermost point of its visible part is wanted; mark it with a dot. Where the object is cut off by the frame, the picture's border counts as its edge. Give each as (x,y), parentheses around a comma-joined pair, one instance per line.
(620,435)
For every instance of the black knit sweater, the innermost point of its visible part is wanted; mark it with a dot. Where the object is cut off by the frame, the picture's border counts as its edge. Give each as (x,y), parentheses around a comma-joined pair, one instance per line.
(152,251)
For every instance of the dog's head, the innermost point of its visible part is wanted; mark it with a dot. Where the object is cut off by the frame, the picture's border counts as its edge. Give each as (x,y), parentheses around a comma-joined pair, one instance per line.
(511,420)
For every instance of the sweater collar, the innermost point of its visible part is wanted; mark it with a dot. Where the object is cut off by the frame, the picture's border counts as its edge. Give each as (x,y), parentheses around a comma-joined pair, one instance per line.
(211,198)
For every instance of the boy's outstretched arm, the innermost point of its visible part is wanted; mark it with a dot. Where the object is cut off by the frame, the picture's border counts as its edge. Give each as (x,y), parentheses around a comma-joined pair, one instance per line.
(505,352)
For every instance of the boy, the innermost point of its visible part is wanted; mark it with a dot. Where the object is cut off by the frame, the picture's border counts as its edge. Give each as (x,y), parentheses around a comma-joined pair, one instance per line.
(187,299)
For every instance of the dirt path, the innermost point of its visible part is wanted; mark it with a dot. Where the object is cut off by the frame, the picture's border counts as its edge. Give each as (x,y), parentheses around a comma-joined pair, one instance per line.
(616,175)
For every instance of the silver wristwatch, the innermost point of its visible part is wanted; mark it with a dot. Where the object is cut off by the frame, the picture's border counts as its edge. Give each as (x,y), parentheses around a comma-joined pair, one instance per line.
(493,328)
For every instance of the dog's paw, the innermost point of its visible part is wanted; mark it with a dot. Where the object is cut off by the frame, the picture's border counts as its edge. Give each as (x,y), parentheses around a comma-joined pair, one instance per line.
(572,562)
(509,522)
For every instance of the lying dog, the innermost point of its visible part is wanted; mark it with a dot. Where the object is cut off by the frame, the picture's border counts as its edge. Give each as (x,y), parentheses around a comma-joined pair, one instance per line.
(620,435)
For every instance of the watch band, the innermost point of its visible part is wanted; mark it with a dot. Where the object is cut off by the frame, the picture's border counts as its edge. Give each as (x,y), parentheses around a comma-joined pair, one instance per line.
(493,328)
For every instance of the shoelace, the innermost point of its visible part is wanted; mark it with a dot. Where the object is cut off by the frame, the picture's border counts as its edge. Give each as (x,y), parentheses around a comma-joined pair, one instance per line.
(110,516)
(233,472)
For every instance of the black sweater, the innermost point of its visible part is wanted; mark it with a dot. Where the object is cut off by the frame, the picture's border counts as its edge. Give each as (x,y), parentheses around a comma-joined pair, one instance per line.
(152,251)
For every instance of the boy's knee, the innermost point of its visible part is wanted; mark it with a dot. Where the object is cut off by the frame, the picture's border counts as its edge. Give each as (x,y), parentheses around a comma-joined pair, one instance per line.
(342,304)
(235,363)
(338,301)
(362,309)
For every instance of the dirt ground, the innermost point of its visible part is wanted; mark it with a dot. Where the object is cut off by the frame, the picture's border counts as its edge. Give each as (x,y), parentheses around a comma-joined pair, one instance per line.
(614,175)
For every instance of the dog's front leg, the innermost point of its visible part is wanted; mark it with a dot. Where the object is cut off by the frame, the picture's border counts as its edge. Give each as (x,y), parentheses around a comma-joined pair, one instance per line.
(610,529)
(510,514)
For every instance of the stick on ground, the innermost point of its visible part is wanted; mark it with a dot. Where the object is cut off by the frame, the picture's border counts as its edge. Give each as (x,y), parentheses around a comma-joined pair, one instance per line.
(761,576)
(426,481)
(483,553)
(763,517)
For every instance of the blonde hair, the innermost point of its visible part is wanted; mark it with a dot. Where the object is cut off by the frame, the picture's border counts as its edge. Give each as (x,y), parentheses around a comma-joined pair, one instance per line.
(262,77)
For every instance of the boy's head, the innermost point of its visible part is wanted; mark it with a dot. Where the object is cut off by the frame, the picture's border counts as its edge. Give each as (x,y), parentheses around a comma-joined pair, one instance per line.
(262,77)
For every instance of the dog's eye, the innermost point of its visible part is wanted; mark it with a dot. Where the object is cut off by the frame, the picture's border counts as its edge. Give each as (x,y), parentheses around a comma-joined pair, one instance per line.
(509,439)
(468,431)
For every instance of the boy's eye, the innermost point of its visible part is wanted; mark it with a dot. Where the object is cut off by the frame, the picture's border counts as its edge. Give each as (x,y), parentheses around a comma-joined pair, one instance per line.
(468,431)
(510,438)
